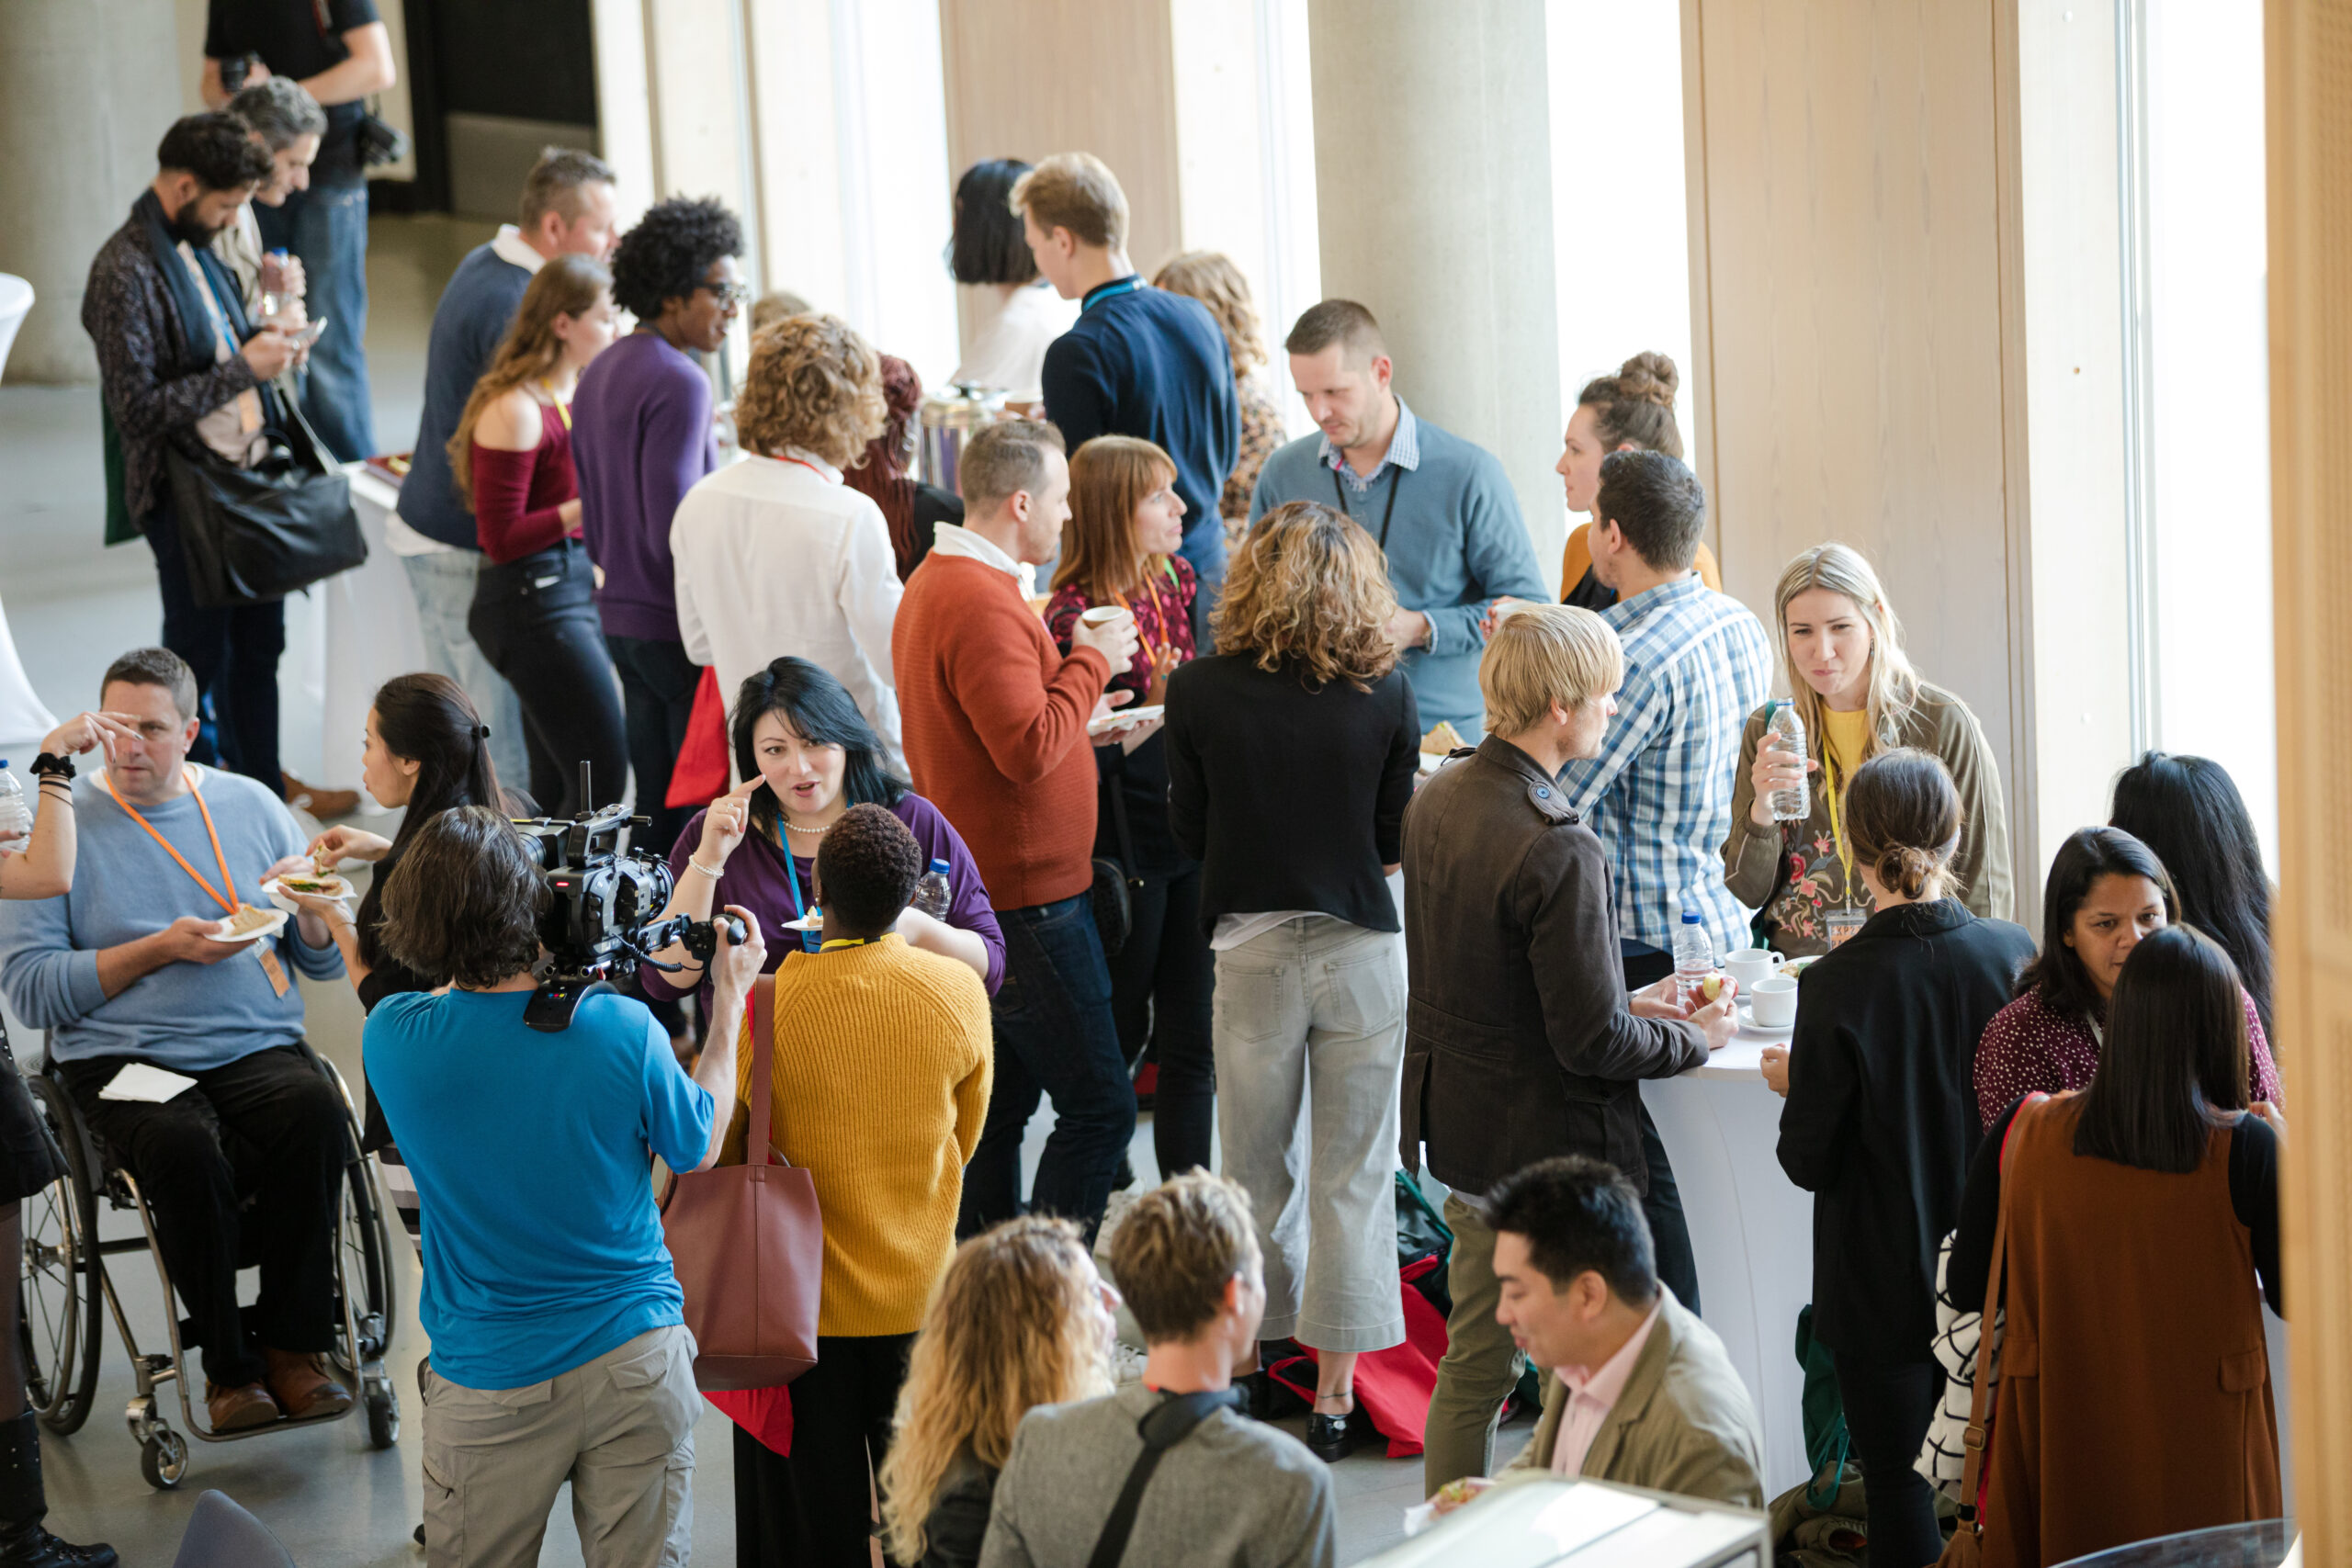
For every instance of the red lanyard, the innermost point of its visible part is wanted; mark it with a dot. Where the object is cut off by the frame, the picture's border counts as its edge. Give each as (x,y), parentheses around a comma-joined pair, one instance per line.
(226,881)
(807,465)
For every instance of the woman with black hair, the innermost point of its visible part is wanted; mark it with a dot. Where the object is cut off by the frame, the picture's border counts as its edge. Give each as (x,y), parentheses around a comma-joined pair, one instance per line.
(2135,1397)
(1009,313)
(2108,893)
(2189,811)
(642,436)
(805,756)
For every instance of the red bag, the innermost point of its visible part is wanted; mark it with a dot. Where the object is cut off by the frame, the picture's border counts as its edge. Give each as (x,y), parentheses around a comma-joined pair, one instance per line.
(702,775)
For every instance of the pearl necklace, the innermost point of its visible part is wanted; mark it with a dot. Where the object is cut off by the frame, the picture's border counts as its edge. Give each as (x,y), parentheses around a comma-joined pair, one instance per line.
(795,828)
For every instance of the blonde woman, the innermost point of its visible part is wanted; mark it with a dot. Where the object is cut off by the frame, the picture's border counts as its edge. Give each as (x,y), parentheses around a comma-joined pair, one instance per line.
(1841,649)
(534,614)
(1290,756)
(775,555)
(1020,1319)
(1211,277)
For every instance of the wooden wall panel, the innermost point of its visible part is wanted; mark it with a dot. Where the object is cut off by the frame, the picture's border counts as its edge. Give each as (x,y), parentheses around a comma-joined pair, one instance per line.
(1026,78)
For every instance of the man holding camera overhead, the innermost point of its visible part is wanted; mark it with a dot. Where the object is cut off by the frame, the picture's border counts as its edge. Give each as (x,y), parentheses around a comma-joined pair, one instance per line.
(559,1347)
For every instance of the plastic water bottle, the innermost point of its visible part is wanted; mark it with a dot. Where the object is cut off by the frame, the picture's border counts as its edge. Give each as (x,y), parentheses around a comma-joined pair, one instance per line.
(1787,731)
(1694,960)
(16,821)
(933,895)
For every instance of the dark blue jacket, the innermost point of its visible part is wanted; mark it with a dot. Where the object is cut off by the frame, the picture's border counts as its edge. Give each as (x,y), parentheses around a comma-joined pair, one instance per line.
(468,325)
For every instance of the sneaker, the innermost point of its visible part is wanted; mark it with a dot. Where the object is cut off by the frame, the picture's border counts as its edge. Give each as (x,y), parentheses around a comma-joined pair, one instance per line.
(302,1387)
(322,804)
(239,1409)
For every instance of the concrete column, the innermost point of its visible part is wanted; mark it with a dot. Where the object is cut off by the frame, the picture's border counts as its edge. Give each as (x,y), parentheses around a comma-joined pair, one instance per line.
(81,109)
(1433,188)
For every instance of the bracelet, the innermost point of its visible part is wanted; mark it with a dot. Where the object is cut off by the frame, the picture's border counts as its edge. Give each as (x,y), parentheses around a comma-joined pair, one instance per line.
(713,875)
(49,764)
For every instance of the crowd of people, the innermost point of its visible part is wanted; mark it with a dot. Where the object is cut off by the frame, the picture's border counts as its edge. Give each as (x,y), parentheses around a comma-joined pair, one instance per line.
(1120,754)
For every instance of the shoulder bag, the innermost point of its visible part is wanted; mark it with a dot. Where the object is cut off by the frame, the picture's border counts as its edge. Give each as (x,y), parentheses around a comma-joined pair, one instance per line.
(1114,915)
(749,1247)
(254,535)
(1966,1547)
(1165,1425)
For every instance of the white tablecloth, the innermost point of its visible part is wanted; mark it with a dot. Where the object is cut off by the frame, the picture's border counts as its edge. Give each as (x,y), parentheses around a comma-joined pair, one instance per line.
(343,639)
(23,719)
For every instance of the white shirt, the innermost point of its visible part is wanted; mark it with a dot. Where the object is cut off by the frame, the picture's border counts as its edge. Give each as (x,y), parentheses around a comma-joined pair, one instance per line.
(508,246)
(776,556)
(955,539)
(1006,329)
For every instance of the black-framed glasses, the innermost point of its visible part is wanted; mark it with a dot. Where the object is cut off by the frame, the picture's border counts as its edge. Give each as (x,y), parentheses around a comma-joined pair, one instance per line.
(738,293)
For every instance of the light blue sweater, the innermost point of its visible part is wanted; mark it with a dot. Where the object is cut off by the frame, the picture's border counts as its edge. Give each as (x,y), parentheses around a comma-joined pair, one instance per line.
(1455,542)
(186,1017)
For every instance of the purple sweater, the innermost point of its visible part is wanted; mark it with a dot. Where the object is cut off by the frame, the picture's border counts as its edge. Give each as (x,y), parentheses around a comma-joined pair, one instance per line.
(757,878)
(641,437)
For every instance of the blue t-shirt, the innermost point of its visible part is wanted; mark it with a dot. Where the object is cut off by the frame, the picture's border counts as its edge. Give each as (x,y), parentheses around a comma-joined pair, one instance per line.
(532,1158)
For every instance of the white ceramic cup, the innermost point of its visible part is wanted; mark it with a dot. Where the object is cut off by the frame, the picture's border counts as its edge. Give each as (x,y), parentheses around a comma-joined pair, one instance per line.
(1774,1002)
(1751,967)
(1105,615)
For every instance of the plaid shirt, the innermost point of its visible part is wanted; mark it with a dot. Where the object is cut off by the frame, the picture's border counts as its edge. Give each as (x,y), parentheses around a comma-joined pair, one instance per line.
(1404,450)
(1697,663)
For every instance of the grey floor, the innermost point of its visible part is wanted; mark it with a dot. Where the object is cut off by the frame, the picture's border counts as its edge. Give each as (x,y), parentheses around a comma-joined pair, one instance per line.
(336,1503)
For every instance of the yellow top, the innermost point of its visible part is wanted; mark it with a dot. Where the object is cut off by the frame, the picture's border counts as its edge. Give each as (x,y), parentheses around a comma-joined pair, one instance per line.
(1576,559)
(1845,738)
(881,1084)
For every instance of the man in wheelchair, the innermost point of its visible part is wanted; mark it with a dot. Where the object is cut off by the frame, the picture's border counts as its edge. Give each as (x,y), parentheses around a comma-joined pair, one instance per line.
(141,966)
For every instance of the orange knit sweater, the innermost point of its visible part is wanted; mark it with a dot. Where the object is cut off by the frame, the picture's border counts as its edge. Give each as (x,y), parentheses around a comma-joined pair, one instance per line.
(995,724)
(881,1083)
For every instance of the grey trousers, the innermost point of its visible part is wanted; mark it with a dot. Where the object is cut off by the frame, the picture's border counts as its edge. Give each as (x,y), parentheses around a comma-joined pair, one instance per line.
(1481,1360)
(620,1428)
(1309,1031)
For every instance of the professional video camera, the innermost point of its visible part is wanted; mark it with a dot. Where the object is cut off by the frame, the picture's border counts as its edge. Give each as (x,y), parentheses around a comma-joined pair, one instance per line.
(599,923)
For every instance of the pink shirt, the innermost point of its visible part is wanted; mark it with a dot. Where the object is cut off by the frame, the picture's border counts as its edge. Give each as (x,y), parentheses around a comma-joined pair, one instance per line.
(1592,1395)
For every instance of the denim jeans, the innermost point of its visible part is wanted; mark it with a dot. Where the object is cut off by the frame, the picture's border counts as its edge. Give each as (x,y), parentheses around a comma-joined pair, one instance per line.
(1888,1407)
(1054,1037)
(658,683)
(535,620)
(234,652)
(443,584)
(326,226)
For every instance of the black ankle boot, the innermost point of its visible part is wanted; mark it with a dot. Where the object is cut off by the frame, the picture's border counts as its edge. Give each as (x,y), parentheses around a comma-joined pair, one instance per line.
(23,1505)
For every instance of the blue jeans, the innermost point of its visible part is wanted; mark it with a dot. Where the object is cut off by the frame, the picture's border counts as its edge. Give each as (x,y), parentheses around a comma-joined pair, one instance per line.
(658,683)
(1054,1037)
(443,586)
(326,226)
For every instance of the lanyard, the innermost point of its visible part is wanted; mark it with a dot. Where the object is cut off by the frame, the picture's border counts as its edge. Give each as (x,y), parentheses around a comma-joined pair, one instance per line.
(562,405)
(1395,483)
(840,942)
(1836,822)
(808,939)
(1126,284)
(806,464)
(226,881)
(1156,651)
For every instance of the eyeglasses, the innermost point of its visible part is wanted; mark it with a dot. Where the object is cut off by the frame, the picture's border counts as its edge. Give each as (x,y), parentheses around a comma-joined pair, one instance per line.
(738,294)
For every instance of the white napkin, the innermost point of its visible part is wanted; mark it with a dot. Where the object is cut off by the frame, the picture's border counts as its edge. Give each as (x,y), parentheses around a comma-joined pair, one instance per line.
(154,1084)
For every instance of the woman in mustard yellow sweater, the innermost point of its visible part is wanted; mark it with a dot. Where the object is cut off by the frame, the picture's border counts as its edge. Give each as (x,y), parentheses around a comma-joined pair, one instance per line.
(881,1073)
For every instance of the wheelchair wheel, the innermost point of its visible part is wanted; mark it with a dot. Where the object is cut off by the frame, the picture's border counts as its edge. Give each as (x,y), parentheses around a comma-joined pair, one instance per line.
(366,1262)
(383,1419)
(58,1292)
(163,1458)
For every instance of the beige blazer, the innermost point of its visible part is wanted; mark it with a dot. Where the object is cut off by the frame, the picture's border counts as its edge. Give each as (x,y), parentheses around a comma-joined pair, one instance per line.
(1684,1424)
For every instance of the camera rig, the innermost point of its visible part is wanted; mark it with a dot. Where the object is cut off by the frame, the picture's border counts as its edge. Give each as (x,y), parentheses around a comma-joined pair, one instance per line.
(599,925)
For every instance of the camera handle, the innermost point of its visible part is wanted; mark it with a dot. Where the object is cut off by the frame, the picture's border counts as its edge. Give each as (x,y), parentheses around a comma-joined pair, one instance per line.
(552,1006)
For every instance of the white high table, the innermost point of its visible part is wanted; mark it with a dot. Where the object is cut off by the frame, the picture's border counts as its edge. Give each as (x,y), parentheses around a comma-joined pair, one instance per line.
(1752,1231)
(344,637)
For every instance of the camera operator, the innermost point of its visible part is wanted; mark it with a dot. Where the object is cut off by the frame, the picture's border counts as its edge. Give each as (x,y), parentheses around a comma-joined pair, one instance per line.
(559,1351)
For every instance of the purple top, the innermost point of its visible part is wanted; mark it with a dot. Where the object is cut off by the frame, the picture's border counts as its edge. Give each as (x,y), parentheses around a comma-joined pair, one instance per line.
(641,437)
(757,879)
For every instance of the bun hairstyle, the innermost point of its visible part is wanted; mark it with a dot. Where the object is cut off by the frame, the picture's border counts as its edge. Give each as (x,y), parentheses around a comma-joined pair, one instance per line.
(428,719)
(1637,404)
(1904,816)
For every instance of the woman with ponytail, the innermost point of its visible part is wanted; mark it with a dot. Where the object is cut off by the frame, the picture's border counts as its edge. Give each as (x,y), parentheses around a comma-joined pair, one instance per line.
(1881,1121)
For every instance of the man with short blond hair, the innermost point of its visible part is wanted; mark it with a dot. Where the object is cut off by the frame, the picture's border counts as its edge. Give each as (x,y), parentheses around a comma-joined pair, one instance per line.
(1140,361)
(1223,1488)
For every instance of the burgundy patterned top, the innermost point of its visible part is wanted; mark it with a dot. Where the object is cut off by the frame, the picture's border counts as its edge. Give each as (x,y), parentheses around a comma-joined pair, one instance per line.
(1163,611)
(2030,1046)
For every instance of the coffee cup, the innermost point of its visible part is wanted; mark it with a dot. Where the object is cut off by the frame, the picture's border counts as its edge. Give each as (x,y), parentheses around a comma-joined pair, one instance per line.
(1751,967)
(1105,615)
(1774,1002)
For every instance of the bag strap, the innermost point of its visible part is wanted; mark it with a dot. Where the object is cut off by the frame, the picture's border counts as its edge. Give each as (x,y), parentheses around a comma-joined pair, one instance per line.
(1165,1425)
(757,1007)
(1972,1469)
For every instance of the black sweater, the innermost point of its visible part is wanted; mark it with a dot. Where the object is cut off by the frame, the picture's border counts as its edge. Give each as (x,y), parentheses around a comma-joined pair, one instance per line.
(1880,1120)
(1292,798)
(2254,1198)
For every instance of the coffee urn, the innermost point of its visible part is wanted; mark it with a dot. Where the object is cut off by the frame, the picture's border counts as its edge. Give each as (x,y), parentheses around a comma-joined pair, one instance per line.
(949,419)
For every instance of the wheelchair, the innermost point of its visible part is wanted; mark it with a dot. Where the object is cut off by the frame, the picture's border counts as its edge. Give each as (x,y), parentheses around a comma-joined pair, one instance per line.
(64,1275)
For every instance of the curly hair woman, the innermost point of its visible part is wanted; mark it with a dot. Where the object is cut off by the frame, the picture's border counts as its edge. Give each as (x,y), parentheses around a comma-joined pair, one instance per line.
(1291,755)
(774,554)
(643,435)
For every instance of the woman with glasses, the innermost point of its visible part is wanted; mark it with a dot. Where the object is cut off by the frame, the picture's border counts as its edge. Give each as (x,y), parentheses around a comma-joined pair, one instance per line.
(641,435)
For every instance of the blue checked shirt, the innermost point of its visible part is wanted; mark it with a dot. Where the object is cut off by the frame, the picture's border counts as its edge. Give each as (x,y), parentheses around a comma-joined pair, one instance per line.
(1658,796)
(1404,450)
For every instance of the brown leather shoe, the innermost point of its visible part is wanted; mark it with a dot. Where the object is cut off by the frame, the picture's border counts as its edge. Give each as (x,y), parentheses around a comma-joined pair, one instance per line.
(322,804)
(302,1387)
(240,1408)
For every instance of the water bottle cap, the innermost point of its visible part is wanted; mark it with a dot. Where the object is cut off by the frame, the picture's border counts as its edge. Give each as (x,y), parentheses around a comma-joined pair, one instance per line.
(939,865)
(1690,916)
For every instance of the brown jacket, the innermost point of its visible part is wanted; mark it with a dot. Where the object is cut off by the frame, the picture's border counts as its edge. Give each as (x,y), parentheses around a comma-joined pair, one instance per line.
(1684,1424)
(1794,866)
(1517,1042)
(2134,1398)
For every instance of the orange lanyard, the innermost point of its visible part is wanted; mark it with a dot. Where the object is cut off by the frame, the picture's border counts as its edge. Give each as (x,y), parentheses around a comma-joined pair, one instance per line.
(226,881)
(1160,650)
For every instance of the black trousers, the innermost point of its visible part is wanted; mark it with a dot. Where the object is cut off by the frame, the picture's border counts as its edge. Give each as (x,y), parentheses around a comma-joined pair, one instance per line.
(1669,1232)
(1888,1406)
(658,683)
(235,654)
(811,1510)
(535,620)
(270,1125)
(1162,982)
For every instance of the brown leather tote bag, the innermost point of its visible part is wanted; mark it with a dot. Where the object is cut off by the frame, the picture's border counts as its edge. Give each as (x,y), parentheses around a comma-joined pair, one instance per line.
(749,1247)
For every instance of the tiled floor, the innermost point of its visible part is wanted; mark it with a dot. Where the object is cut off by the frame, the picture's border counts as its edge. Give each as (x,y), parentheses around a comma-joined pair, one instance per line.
(71,606)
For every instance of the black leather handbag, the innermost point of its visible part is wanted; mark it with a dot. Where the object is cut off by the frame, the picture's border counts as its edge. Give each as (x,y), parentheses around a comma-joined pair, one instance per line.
(254,535)
(1114,912)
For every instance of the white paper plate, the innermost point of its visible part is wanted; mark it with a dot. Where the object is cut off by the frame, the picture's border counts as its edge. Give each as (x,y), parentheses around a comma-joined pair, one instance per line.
(277,923)
(285,900)
(812,921)
(1123,718)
